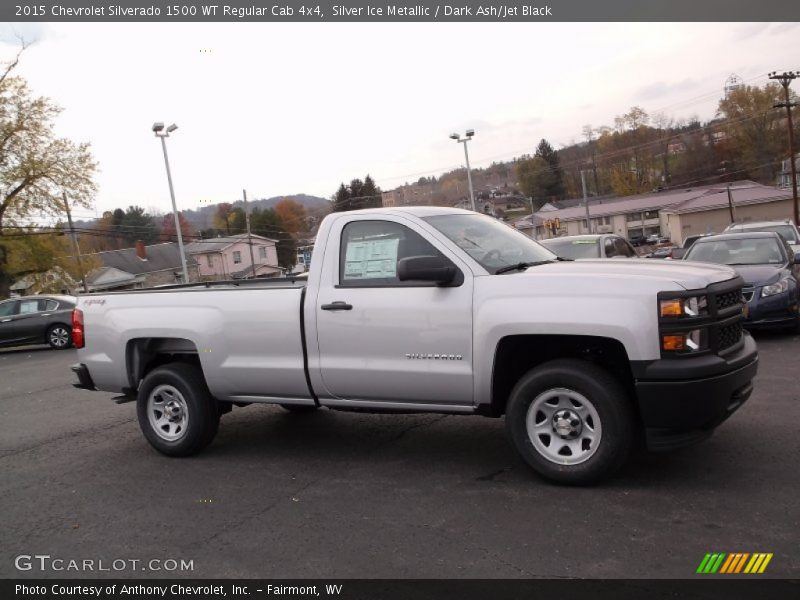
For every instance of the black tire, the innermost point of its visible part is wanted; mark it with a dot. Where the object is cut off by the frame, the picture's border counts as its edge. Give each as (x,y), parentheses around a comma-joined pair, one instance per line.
(55,336)
(201,410)
(299,408)
(606,397)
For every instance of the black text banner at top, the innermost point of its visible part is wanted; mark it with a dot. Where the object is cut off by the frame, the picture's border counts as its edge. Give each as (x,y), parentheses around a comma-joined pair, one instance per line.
(376,11)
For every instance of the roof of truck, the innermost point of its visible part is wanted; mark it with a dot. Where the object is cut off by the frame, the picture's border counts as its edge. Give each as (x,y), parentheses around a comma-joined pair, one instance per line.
(417,211)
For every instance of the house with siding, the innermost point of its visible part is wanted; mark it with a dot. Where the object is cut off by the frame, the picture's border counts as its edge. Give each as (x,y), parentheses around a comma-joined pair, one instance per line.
(229,257)
(139,267)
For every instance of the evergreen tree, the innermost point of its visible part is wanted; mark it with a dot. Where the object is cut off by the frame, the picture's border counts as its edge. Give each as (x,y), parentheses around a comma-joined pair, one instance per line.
(553,182)
(138,225)
(359,194)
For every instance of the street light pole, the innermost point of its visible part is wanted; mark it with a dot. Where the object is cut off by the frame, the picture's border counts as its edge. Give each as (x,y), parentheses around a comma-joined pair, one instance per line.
(468,136)
(158,129)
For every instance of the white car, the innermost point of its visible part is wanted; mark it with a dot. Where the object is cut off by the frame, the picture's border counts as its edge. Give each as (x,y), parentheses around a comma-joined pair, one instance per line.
(785,228)
(577,247)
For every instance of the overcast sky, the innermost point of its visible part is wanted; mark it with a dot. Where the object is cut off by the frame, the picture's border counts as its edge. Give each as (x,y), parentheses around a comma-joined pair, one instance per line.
(290,108)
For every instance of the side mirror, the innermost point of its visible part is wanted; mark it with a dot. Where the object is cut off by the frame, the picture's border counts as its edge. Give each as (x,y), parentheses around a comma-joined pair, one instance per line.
(426,268)
(678,253)
(797,258)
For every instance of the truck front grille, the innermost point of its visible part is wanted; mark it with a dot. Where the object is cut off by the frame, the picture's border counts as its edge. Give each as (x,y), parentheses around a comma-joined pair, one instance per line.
(717,326)
(729,335)
(728,299)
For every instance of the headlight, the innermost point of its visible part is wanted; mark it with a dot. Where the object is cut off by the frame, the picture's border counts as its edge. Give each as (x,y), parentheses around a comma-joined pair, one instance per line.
(775,288)
(691,341)
(683,307)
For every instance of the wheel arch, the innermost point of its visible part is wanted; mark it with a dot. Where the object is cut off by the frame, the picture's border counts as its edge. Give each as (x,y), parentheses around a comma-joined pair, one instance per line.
(142,355)
(515,355)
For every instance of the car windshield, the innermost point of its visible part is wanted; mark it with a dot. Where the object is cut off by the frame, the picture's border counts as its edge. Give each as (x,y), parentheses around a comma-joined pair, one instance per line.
(743,251)
(491,243)
(573,249)
(786,231)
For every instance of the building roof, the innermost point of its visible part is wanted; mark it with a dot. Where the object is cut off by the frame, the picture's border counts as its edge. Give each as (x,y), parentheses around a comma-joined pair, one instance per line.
(219,243)
(533,220)
(741,196)
(111,276)
(247,272)
(666,199)
(160,257)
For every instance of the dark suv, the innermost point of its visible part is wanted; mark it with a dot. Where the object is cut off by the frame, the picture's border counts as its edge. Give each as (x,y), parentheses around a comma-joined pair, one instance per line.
(37,320)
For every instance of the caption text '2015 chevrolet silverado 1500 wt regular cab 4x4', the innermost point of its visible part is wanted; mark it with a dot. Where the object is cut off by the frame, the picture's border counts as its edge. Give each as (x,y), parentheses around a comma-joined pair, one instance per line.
(440,310)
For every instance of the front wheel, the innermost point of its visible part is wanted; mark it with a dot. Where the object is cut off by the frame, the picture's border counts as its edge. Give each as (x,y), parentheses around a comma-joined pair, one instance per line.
(177,413)
(571,421)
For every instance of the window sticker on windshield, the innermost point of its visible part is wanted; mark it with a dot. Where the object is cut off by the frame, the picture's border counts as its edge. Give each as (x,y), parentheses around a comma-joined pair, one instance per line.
(371,259)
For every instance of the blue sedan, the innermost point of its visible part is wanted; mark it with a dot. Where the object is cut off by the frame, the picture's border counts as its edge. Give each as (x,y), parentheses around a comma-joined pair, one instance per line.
(770,269)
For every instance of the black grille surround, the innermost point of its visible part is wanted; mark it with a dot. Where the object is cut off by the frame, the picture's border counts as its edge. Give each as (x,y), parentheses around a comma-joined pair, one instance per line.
(728,299)
(720,324)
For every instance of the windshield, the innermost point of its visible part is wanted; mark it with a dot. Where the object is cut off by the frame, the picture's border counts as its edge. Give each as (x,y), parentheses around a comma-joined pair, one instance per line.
(491,243)
(786,231)
(745,251)
(573,249)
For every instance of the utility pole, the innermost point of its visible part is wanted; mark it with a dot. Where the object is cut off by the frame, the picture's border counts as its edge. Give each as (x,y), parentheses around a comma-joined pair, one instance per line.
(75,248)
(730,205)
(785,79)
(249,237)
(586,201)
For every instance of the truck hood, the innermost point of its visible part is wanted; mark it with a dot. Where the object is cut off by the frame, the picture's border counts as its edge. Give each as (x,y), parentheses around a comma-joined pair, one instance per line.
(687,274)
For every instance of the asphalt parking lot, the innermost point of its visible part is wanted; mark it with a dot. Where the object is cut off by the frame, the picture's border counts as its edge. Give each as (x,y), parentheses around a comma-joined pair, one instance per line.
(354,495)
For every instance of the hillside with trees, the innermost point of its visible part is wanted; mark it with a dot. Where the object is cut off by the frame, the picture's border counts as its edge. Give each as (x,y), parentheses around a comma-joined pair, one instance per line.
(639,152)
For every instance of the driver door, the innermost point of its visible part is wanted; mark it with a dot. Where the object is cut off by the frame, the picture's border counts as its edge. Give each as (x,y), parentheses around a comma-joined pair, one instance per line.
(388,341)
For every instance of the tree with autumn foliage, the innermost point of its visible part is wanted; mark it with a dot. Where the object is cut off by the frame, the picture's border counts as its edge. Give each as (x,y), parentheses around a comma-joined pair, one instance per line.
(36,166)
(47,259)
(755,131)
(168,232)
(292,214)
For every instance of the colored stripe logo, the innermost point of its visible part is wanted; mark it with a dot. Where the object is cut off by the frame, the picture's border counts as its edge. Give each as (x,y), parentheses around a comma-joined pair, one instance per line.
(734,563)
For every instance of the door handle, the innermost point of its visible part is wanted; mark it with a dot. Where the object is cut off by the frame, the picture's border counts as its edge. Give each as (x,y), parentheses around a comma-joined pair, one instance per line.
(338,305)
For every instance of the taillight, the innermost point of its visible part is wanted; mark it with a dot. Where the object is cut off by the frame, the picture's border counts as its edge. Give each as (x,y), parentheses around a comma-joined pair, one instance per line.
(77,328)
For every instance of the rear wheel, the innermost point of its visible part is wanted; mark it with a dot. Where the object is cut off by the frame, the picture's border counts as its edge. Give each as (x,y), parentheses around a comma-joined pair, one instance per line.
(59,336)
(177,413)
(571,421)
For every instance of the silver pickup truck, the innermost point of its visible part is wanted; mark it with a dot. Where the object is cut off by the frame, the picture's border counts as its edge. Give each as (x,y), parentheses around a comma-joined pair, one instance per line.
(438,310)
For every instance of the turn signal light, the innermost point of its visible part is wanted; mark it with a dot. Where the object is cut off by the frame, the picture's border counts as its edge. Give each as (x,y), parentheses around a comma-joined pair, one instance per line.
(673,342)
(671,308)
(77,328)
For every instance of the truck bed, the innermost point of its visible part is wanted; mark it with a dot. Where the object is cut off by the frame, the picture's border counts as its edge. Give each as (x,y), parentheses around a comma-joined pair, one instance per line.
(246,334)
